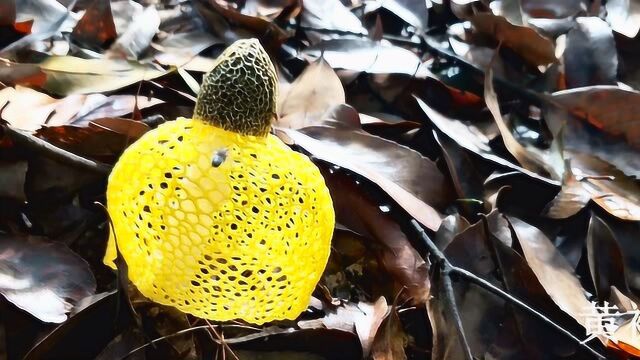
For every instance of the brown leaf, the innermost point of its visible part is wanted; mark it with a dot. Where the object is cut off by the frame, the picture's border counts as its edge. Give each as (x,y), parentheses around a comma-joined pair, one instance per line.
(310,96)
(552,270)
(571,198)
(491,326)
(104,139)
(534,48)
(390,339)
(398,170)
(358,212)
(609,108)
(258,26)
(44,279)
(7,13)
(96,27)
(451,226)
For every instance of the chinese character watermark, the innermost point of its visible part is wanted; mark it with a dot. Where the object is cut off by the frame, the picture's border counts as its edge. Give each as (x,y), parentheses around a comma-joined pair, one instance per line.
(604,320)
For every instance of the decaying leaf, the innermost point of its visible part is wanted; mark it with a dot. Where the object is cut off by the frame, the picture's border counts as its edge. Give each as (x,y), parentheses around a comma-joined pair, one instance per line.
(533,47)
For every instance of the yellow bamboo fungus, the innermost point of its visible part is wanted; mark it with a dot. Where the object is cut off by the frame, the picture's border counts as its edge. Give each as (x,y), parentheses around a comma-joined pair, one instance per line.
(222,222)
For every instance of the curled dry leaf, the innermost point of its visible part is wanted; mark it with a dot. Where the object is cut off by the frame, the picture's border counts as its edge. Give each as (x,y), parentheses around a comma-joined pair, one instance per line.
(533,47)
(594,179)
(398,170)
(44,279)
(362,318)
(316,90)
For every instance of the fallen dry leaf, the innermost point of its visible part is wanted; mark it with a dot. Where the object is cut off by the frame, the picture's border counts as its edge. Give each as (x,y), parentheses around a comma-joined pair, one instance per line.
(526,158)
(390,339)
(358,212)
(534,48)
(329,144)
(44,279)
(96,27)
(552,270)
(316,90)
(594,179)
(366,55)
(362,318)
(609,108)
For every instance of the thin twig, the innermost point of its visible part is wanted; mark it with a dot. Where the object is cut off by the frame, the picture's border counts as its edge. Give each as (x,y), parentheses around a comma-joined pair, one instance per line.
(450,302)
(469,276)
(53,152)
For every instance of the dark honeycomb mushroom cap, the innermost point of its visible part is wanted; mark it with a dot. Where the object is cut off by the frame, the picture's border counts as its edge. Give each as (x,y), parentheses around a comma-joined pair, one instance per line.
(239,94)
